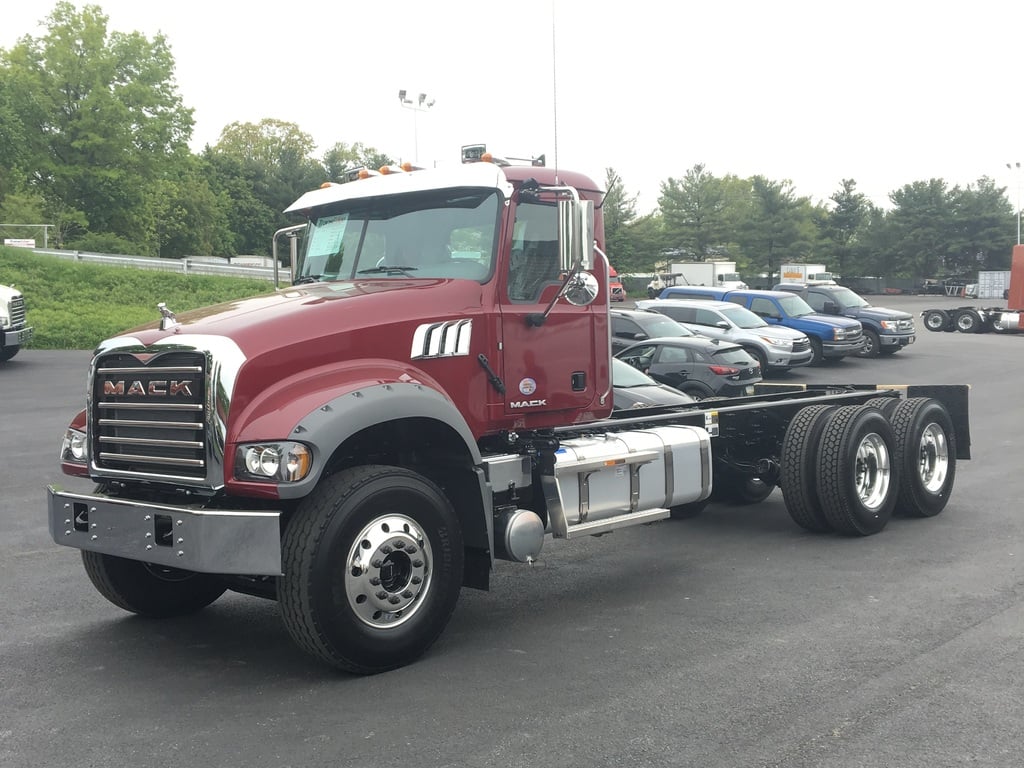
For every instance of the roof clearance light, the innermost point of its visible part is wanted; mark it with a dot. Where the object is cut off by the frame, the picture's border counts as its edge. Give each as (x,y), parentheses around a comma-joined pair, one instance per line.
(385,170)
(407,167)
(487,157)
(363,173)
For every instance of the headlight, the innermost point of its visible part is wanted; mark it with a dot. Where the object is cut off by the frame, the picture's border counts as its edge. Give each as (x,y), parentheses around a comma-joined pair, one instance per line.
(284,462)
(74,446)
(838,334)
(888,325)
(780,343)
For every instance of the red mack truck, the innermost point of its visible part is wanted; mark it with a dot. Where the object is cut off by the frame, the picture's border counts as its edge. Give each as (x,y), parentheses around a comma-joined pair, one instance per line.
(432,392)
(971,319)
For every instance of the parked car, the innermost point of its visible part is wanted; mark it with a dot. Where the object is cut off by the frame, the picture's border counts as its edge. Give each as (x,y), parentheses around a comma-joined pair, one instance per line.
(634,389)
(832,337)
(632,325)
(775,347)
(885,330)
(698,366)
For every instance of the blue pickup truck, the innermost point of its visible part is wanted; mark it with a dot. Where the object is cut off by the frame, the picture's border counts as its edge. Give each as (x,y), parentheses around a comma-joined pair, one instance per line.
(832,337)
(886,331)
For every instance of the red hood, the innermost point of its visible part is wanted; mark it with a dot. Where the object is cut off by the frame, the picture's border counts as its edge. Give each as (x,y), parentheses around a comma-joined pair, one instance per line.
(309,313)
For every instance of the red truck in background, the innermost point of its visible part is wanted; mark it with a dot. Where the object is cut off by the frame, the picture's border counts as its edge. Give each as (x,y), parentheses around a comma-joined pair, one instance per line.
(433,392)
(616,290)
(970,319)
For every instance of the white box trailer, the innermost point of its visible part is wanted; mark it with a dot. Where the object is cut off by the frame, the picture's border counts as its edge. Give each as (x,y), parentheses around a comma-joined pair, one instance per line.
(805,273)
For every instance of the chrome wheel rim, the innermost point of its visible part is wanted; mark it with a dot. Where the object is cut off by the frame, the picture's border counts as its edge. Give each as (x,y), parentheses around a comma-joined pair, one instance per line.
(388,571)
(933,458)
(873,471)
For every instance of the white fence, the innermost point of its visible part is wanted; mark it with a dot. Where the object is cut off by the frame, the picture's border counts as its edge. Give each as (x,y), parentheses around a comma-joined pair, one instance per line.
(189,266)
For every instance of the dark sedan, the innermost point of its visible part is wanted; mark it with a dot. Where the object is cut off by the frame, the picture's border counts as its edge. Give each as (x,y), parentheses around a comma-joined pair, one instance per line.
(698,366)
(632,325)
(634,389)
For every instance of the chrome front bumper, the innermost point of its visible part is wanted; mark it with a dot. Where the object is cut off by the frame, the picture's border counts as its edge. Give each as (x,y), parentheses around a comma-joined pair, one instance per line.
(244,542)
(17,338)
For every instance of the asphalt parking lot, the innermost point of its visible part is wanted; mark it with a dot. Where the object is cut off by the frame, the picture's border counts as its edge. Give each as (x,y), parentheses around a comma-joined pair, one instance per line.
(731,639)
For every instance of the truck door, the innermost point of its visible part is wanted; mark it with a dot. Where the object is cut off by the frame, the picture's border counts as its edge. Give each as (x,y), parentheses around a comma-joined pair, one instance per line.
(553,366)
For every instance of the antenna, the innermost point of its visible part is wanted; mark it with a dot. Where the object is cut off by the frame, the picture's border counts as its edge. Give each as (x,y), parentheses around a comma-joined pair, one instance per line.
(554,85)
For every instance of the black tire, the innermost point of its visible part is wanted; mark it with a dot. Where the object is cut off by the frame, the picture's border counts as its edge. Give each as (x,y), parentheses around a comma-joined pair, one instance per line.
(872,345)
(968,322)
(884,404)
(750,490)
(372,563)
(925,454)
(150,590)
(858,479)
(817,353)
(686,511)
(734,487)
(758,355)
(698,391)
(797,471)
(6,353)
(937,320)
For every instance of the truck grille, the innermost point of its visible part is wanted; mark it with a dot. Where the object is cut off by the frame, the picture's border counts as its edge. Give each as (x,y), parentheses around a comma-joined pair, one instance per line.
(905,325)
(147,414)
(802,345)
(17,312)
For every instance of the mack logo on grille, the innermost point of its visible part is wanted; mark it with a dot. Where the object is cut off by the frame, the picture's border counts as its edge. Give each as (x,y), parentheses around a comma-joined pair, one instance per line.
(156,388)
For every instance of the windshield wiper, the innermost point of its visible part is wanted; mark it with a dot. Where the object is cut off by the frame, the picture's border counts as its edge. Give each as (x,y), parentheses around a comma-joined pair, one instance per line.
(387,268)
(307,279)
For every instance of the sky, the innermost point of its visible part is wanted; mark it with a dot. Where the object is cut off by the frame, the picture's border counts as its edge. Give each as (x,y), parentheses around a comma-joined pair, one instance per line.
(884,93)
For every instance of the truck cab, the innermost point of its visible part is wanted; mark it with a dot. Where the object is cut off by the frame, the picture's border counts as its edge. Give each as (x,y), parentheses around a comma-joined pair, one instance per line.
(14,331)
(886,331)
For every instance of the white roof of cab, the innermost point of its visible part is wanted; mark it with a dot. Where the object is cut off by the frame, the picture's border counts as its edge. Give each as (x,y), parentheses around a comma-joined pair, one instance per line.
(468,175)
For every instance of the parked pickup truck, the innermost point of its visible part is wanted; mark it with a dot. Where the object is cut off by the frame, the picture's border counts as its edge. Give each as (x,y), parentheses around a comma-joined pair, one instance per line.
(885,330)
(833,337)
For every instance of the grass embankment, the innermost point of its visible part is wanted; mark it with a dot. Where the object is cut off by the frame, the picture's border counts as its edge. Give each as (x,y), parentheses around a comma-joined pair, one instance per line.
(73,305)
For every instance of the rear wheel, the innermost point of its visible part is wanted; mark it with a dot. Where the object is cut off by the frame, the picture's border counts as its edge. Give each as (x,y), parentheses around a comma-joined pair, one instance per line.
(926,455)
(151,590)
(968,321)
(798,467)
(372,564)
(937,320)
(857,477)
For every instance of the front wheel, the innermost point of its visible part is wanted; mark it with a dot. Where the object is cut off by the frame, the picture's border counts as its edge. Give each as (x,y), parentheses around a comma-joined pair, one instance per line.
(817,352)
(151,590)
(872,345)
(968,322)
(372,564)
(6,353)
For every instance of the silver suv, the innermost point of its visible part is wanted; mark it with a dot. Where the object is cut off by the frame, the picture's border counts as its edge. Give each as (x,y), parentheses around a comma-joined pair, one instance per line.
(775,347)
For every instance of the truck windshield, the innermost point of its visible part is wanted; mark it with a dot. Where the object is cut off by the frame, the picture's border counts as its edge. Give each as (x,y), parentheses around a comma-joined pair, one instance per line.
(847,299)
(742,317)
(450,233)
(794,306)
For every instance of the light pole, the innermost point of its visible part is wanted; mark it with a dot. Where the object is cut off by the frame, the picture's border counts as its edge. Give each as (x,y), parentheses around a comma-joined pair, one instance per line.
(421,104)
(1011,167)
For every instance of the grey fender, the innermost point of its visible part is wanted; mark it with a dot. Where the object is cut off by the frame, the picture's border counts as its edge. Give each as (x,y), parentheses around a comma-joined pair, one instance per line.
(345,416)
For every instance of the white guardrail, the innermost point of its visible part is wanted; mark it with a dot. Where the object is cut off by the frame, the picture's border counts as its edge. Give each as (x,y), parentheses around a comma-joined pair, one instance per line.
(190,265)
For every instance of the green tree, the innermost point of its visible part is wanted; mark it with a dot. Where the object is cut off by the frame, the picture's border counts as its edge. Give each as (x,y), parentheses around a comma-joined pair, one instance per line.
(341,157)
(619,210)
(779,226)
(981,238)
(921,229)
(694,213)
(841,227)
(99,115)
